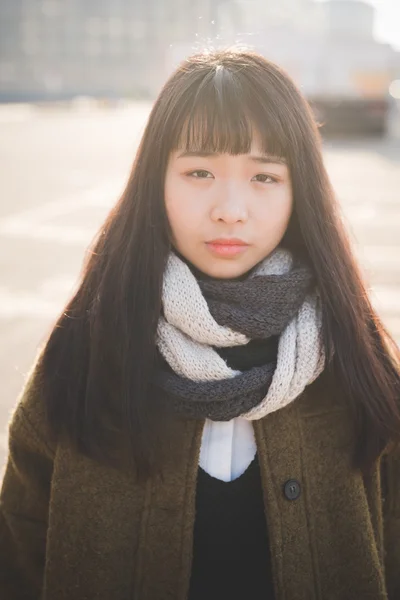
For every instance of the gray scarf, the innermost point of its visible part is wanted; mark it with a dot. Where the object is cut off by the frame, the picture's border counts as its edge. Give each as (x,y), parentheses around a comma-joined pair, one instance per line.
(277,299)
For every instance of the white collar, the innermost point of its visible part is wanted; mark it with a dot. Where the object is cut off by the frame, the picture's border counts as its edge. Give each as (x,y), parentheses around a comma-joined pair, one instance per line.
(227,448)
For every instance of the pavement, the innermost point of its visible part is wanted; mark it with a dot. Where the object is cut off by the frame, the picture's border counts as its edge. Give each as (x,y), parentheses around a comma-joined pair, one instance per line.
(62,169)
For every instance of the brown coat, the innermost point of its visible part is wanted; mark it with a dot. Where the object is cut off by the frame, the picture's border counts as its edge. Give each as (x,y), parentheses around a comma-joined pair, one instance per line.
(73,529)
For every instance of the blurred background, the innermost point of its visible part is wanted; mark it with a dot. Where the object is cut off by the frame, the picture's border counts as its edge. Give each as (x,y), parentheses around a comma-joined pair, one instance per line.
(77,81)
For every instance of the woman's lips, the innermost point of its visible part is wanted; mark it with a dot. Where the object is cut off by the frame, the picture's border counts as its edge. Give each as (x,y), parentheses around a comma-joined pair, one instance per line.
(231,247)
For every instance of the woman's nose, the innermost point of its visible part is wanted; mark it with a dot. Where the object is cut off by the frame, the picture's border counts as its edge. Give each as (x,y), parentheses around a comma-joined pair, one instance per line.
(230,205)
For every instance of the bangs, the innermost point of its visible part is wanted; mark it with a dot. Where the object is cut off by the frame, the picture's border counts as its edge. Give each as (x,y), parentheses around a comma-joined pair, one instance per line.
(219,115)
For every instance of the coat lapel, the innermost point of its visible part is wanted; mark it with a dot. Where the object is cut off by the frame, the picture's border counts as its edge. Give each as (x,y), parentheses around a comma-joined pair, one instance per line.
(109,537)
(279,449)
(165,547)
(325,542)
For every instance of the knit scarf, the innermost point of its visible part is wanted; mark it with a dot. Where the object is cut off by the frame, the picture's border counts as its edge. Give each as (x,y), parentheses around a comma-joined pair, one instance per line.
(203,318)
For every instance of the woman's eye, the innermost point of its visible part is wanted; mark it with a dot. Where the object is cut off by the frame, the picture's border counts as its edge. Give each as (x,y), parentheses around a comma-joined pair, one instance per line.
(263,178)
(199,174)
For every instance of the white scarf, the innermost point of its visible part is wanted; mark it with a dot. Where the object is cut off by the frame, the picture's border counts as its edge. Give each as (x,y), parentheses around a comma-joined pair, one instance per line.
(188,332)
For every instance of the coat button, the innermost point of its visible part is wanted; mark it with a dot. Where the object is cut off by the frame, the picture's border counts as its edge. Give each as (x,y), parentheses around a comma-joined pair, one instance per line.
(292,489)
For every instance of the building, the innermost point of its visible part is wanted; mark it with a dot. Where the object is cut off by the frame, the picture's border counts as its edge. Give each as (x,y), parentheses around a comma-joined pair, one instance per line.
(57,49)
(63,48)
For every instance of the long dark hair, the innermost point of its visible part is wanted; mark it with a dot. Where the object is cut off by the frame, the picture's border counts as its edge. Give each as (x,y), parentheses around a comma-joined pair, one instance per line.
(99,360)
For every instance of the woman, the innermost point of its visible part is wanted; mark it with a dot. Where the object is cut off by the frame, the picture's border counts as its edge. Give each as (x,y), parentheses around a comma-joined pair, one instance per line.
(216,412)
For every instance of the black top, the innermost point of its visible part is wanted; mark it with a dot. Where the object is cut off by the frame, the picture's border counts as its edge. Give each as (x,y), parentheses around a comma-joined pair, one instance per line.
(231,559)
